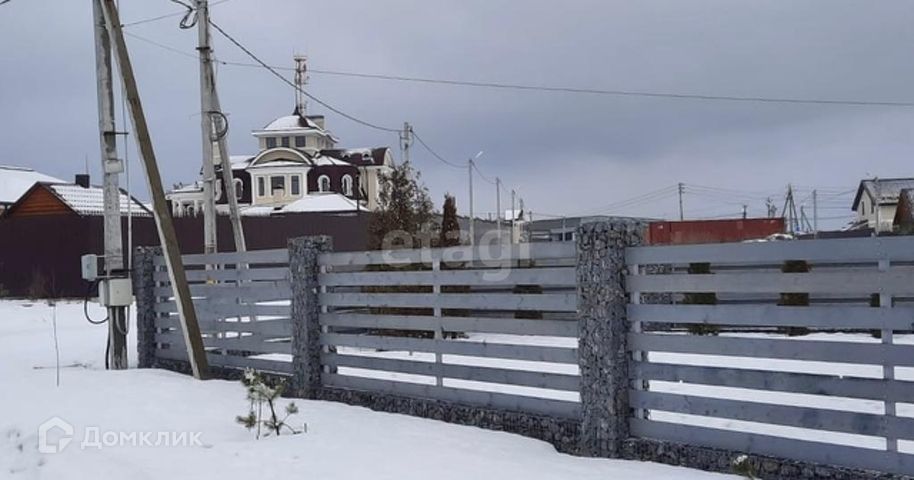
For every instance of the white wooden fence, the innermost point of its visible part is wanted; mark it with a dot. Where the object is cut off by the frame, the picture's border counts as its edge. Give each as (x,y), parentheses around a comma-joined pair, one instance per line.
(831,398)
(243,309)
(450,330)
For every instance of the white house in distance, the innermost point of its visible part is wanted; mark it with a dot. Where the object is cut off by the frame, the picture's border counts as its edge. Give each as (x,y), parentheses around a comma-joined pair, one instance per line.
(298,169)
(877,200)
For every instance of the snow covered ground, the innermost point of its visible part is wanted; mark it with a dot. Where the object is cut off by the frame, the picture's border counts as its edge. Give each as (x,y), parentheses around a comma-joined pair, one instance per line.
(342,442)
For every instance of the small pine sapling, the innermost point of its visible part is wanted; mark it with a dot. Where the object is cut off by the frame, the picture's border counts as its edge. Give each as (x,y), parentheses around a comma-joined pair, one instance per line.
(262,395)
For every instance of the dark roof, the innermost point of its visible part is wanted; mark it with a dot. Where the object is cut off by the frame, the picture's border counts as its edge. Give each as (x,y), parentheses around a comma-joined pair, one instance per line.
(889,189)
(359,156)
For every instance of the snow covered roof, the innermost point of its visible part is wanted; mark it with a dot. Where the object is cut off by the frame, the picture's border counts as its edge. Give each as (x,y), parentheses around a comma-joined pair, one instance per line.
(15,181)
(290,122)
(240,162)
(316,202)
(322,160)
(90,201)
(888,189)
(359,156)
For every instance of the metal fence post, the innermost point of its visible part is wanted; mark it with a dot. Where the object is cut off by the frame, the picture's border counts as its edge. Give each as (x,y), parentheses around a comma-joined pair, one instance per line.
(603,326)
(306,328)
(144,288)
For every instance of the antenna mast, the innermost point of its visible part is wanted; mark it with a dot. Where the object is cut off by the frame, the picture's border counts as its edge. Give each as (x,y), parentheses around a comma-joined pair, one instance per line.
(301,79)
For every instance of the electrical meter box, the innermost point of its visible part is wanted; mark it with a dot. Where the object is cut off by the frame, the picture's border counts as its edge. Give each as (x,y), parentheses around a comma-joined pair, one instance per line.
(115,292)
(90,267)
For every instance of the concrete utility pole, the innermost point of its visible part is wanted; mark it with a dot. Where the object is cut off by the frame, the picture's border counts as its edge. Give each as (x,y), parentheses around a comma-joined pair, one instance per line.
(112,167)
(169,240)
(472,218)
(498,211)
(513,217)
(681,190)
(214,130)
(815,213)
(877,202)
(209,170)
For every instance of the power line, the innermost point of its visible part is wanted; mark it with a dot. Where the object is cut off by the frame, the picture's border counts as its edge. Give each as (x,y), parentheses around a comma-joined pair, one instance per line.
(434,153)
(167,15)
(482,176)
(286,81)
(588,91)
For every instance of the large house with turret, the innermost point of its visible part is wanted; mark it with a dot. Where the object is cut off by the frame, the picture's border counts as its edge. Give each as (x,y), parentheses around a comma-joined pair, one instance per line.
(299,168)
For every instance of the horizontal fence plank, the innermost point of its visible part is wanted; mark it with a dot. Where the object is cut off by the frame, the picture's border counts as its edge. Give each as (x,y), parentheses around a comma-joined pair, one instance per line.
(505,401)
(823,453)
(824,317)
(279,256)
(848,250)
(893,282)
(279,289)
(513,326)
(237,304)
(209,310)
(553,381)
(483,253)
(782,349)
(506,276)
(788,415)
(253,343)
(557,302)
(277,327)
(231,361)
(533,353)
(230,275)
(806,383)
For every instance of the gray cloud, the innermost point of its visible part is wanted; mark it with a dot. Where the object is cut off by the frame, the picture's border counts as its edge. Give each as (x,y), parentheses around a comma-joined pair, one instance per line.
(566,153)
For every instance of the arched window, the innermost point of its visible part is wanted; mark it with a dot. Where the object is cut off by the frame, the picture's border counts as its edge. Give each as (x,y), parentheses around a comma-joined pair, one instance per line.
(347,185)
(323,184)
(239,188)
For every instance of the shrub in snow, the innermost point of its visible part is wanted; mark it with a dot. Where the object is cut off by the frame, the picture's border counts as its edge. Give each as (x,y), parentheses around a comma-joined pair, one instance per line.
(263,396)
(742,466)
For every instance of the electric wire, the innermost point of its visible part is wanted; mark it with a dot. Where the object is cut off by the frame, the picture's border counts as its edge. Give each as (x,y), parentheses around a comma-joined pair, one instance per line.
(167,15)
(433,152)
(296,87)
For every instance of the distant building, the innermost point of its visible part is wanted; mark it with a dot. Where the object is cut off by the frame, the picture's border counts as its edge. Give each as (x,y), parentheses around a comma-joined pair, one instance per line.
(687,232)
(877,200)
(74,199)
(298,169)
(15,181)
(562,229)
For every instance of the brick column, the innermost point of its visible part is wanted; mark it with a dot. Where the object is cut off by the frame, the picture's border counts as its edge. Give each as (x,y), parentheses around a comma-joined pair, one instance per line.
(306,329)
(144,290)
(602,354)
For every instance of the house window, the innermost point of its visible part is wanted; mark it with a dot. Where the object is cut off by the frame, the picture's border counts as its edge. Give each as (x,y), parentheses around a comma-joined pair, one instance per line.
(277,182)
(347,185)
(260,186)
(285,141)
(239,188)
(271,142)
(295,184)
(323,183)
(300,142)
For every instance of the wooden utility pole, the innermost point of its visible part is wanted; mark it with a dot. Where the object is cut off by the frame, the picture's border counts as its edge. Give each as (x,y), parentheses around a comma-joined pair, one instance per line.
(169,240)
(112,167)
(214,131)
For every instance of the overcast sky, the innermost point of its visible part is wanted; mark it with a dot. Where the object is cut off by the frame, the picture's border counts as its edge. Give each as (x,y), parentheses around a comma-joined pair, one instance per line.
(565,153)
